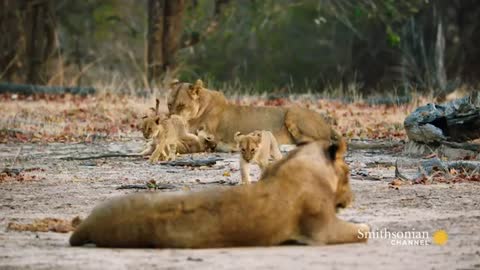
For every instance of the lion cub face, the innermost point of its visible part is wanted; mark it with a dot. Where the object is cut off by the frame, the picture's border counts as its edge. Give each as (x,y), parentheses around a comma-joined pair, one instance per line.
(183,99)
(149,124)
(248,144)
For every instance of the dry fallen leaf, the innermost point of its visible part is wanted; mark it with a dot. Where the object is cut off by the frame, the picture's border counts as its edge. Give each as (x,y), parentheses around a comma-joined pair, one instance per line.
(397,182)
(46,225)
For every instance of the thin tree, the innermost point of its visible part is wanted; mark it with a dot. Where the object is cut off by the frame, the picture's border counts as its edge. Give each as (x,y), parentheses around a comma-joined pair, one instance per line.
(165,30)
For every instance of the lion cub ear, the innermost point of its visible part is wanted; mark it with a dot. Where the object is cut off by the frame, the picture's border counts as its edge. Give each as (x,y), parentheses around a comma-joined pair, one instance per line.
(257,136)
(157,119)
(238,136)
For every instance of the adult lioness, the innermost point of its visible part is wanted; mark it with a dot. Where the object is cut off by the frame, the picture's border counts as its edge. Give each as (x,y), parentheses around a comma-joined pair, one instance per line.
(204,107)
(296,200)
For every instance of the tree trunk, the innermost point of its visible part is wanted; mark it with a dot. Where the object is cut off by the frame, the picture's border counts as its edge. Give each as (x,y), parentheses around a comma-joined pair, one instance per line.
(28,40)
(173,29)
(11,43)
(156,9)
(164,32)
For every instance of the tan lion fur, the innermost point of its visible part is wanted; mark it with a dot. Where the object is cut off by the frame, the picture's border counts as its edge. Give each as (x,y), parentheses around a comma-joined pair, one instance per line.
(171,136)
(256,147)
(174,134)
(296,200)
(203,107)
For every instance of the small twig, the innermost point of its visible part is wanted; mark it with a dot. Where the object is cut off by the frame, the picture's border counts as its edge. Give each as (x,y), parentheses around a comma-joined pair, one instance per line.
(361,145)
(222,182)
(132,187)
(398,174)
(16,157)
(145,186)
(193,162)
(101,156)
(467,146)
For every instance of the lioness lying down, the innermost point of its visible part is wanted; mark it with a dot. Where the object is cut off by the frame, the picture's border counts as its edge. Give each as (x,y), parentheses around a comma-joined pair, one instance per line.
(296,200)
(204,107)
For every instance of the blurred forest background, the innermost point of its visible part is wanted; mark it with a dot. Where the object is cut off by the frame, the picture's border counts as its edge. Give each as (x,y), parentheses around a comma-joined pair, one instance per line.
(347,46)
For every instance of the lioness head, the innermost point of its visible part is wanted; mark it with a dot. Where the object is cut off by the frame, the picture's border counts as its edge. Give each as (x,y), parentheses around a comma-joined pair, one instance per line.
(248,144)
(207,139)
(183,99)
(321,154)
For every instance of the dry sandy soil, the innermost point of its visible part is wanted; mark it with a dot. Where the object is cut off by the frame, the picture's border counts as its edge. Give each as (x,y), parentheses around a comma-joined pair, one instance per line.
(65,189)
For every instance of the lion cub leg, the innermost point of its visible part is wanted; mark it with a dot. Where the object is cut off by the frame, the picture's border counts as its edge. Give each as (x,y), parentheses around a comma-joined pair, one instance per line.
(149,148)
(245,171)
(274,149)
(159,153)
(172,151)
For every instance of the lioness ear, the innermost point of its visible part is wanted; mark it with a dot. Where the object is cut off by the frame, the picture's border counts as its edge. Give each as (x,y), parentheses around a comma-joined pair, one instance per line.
(174,82)
(337,150)
(332,152)
(198,84)
(157,120)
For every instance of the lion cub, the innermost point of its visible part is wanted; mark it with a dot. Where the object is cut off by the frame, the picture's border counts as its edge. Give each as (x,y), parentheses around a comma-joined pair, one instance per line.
(256,147)
(169,136)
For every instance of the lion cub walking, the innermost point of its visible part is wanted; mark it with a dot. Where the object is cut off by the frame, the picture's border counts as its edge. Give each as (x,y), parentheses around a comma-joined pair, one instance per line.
(256,147)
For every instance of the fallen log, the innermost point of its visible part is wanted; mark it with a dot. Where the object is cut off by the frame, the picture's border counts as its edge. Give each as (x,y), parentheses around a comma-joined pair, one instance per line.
(454,121)
(434,166)
(29,89)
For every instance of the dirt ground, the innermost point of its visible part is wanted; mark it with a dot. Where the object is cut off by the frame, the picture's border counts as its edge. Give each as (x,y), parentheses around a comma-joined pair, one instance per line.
(67,188)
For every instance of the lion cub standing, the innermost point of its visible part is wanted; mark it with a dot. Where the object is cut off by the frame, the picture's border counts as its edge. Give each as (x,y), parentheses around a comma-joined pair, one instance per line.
(256,147)
(168,133)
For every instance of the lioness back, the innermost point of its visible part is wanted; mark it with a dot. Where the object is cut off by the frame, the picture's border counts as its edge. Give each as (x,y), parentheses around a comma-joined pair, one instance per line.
(203,107)
(246,119)
(211,218)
